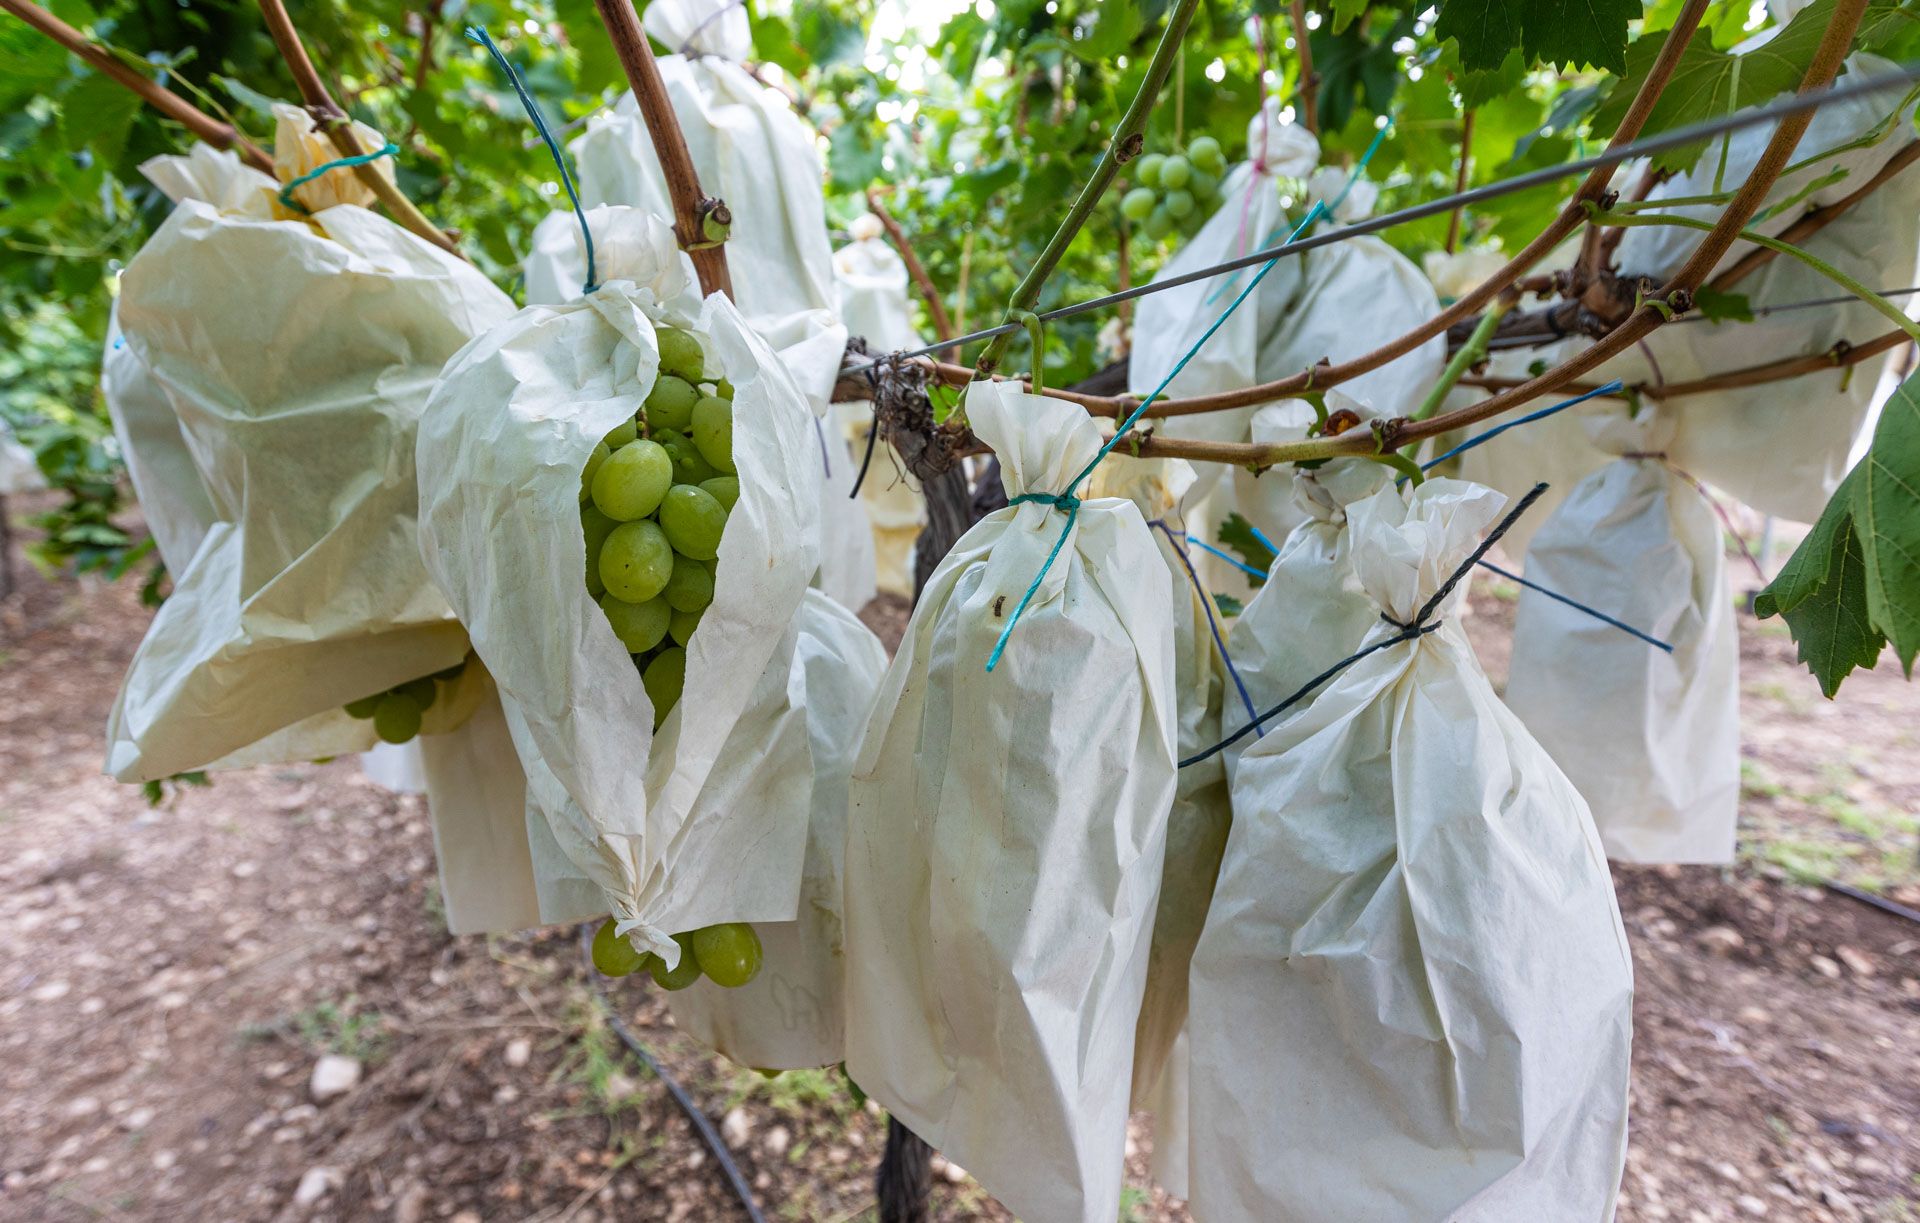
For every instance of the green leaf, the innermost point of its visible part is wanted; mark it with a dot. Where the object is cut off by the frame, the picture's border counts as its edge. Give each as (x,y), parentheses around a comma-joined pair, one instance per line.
(1353,67)
(1114,30)
(1722,307)
(1228,605)
(98,112)
(1567,33)
(1345,11)
(1822,593)
(1886,511)
(1485,29)
(1478,86)
(1237,535)
(599,66)
(1807,569)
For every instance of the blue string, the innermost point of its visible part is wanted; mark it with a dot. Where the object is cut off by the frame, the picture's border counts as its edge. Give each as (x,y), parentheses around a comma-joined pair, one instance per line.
(1264,541)
(1542,414)
(1235,561)
(1597,615)
(1062,500)
(358,159)
(1206,604)
(475,34)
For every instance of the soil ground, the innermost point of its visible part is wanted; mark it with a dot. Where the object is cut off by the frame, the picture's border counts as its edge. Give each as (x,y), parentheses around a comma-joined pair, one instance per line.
(169,976)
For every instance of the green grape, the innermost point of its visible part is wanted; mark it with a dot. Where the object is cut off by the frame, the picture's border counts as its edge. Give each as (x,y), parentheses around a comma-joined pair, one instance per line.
(676,978)
(723,389)
(713,432)
(398,718)
(681,627)
(1160,224)
(636,561)
(629,485)
(364,707)
(1178,204)
(1175,173)
(596,526)
(421,690)
(690,588)
(598,456)
(621,434)
(689,465)
(639,626)
(1137,204)
(664,679)
(680,353)
(1204,152)
(725,490)
(693,519)
(1203,186)
(729,953)
(614,955)
(670,403)
(1148,172)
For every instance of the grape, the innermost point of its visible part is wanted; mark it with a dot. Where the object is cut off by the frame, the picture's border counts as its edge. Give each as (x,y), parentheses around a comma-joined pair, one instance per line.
(713,432)
(728,953)
(1147,174)
(639,626)
(693,519)
(670,403)
(1178,204)
(365,706)
(1137,204)
(681,627)
(723,389)
(421,690)
(1204,152)
(636,561)
(621,434)
(596,527)
(1203,185)
(398,718)
(725,490)
(679,353)
(1160,224)
(676,978)
(690,588)
(664,679)
(598,456)
(1175,173)
(629,485)
(614,954)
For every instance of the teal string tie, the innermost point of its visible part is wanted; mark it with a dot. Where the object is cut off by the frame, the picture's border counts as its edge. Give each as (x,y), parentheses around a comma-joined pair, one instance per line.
(358,159)
(480,36)
(1066,499)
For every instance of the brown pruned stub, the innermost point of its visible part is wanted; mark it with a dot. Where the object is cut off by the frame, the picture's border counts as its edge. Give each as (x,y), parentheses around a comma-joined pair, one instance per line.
(1339,422)
(1129,148)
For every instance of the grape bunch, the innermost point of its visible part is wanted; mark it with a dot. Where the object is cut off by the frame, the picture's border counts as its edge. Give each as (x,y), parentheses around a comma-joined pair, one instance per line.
(728,954)
(1174,190)
(655,495)
(396,713)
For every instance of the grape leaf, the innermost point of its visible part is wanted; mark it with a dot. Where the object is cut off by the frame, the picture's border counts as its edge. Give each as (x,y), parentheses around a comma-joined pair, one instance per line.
(1806,571)
(1351,64)
(1722,307)
(599,65)
(1486,30)
(1886,511)
(1567,33)
(1822,593)
(1114,29)
(1228,605)
(1478,86)
(1236,534)
(97,113)
(1345,11)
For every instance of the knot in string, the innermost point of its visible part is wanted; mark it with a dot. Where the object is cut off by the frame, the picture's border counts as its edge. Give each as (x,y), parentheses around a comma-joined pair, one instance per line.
(358,159)
(1059,501)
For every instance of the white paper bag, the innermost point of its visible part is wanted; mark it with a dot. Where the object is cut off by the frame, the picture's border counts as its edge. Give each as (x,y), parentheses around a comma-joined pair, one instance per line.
(677,830)
(1782,447)
(1005,840)
(790,1015)
(172,497)
(871,281)
(296,355)
(1197,824)
(1311,612)
(396,767)
(1650,739)
(19,470)
(1415,934)
(476,793)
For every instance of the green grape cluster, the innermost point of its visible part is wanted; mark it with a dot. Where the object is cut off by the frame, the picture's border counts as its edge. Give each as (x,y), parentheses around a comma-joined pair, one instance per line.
(727,954)
(396,713)
(1176,191)
(654,499)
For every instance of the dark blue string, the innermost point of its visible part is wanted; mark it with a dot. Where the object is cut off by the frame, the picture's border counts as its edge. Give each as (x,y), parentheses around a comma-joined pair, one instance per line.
(1597,615)
(475,34)
(1497,430)
(1206,603)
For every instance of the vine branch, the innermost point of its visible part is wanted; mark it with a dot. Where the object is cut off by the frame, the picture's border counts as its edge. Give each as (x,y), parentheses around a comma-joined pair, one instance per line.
(204,126)
(700,221)
(942,324)
(333,121)
(1309,85)
(1125,145)
(1817,219)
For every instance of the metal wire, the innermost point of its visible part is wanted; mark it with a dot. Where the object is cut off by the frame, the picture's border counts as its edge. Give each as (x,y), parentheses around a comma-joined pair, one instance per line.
(1790,105)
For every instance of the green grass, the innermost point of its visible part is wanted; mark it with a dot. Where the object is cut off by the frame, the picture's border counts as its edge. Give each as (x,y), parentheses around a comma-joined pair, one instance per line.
(330,1027)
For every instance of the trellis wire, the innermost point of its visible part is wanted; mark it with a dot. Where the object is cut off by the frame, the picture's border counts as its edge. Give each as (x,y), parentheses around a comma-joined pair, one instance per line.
(1790,105)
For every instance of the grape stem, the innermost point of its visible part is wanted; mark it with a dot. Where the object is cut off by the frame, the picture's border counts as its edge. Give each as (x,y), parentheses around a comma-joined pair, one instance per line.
(1469,355)
(1125,145)
(168,103)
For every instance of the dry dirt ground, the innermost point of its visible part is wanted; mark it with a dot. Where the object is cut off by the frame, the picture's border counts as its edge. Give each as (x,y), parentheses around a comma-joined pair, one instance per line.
(169,976)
